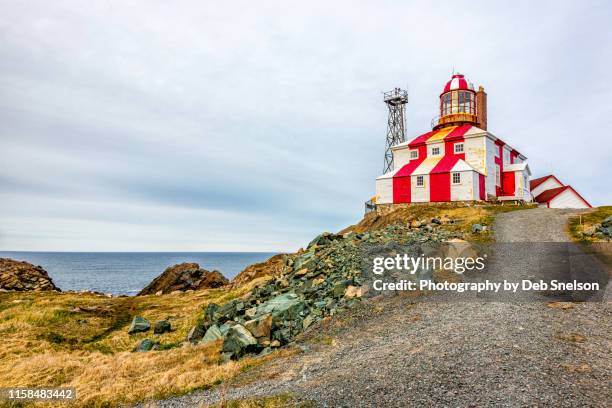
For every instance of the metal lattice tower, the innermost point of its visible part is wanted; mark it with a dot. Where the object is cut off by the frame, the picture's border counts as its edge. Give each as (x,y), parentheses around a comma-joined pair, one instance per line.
(396,101)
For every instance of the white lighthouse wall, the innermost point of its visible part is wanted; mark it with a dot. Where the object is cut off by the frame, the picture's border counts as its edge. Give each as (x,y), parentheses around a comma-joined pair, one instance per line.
(419,194)
(401,157)
(521,185)
(439,145)
(490,167)
(567,199)
(384,191)
(465,190)
(475,152)
(551,182)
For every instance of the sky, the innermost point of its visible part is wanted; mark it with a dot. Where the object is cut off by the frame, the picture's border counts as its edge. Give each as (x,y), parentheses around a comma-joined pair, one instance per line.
(254,126)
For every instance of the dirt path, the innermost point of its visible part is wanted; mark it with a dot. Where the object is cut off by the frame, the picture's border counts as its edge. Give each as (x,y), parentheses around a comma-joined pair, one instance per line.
(397,353)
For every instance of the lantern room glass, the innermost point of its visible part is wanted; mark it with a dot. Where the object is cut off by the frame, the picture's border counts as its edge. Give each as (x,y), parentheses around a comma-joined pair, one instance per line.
(458,102)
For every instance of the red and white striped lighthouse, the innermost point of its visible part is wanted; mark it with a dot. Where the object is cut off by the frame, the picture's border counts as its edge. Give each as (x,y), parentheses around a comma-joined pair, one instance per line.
(459,159)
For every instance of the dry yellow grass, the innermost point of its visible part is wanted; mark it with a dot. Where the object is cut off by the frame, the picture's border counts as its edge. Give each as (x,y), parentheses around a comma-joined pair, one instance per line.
(464,217)
(276,401)
(81,340)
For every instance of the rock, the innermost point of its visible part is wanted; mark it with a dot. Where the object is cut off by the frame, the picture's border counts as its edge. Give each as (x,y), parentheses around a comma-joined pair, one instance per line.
(340,288)
(196,333)
(251,312)
(308,321)
(272,267)
(228,311)
(353,291)
(436,221)
(23,276)
(287,306)
(184,277)
(139,325)
(301,272)
(275,343)
(210,313)
(607,231)
(607,222)
(260,327)
(146,345)
(307,260)
(239,341)
(589,231)
(212,334)
(161,327)
(415,224)
(476,228)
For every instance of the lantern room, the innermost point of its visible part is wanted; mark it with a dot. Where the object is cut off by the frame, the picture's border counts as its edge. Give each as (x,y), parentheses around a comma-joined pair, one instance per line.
(459,104)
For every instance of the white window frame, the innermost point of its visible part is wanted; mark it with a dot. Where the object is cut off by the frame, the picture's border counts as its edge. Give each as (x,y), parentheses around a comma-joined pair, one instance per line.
(414,154)
(458,174)
(422,181)
(433,153)
(497,176)
(456,147)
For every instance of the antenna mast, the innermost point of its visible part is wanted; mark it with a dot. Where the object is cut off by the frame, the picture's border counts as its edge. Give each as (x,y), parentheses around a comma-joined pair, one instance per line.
(396,101)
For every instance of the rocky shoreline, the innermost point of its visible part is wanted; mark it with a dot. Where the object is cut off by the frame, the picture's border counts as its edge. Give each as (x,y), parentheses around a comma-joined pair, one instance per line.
(23,276)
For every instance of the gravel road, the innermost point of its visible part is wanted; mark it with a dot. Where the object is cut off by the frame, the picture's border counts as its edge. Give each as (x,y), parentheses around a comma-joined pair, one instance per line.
(400,353)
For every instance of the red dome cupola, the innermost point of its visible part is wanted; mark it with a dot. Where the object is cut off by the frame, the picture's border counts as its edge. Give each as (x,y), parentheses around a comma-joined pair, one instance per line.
(458,103)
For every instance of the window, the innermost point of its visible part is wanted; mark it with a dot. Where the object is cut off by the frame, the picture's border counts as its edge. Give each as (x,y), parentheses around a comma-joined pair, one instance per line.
(459,148)
(446,104)
(497,176)
(414,154)
(420,182)
(456,178)
(435,151)
(465,102)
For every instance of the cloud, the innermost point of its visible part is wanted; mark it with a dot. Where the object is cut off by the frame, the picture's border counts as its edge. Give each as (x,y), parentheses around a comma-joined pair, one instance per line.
(208,126)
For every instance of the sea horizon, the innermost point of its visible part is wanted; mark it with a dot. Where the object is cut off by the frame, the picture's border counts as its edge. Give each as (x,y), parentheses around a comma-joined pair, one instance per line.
(127,272)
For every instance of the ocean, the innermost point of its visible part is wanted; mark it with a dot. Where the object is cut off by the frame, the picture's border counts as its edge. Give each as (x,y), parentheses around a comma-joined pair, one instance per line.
(126,273)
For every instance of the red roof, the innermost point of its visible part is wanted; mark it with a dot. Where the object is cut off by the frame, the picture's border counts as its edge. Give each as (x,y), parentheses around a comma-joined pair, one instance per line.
(536,182)
(547,195)
(458,81)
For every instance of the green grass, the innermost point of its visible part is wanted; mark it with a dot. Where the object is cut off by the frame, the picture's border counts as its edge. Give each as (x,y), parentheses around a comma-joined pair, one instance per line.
(580,223)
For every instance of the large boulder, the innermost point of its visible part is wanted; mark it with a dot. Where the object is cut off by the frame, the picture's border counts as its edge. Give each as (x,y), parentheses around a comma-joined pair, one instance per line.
(146,345)
(286,306)
(139,325)
(239,341)
(162,326)
(260,327)
(183,277)
(214,332)
(196,333)
(23,276)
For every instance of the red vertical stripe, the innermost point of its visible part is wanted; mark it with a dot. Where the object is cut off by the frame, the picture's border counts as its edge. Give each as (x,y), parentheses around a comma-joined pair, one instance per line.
(439,187)
(500,162)
(456,136)
(481,187)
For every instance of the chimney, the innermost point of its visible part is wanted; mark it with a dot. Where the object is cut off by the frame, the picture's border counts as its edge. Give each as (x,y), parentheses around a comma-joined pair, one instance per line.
(481,108)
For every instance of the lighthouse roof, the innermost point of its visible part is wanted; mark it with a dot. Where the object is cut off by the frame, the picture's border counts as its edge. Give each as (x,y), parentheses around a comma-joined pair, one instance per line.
(458,82)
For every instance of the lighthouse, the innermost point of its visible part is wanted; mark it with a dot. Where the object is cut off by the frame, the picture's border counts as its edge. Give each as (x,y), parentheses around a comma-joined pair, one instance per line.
(459,159)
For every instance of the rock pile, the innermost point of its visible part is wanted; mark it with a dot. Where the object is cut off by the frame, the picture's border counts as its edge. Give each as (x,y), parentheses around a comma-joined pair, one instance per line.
(184,277)
(23,276)
(326,278)
(601,231)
